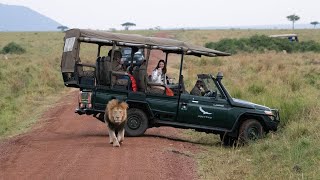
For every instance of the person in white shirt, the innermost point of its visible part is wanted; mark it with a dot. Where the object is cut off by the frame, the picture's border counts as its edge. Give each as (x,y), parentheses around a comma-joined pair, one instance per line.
(159,73)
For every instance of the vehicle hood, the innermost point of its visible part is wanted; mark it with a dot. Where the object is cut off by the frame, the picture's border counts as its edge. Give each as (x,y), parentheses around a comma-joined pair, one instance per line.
(247,104)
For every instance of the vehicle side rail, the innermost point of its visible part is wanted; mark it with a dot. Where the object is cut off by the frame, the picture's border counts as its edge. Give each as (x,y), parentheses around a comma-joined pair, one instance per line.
(192,126)
(87,65)
(155,84)
(120,73)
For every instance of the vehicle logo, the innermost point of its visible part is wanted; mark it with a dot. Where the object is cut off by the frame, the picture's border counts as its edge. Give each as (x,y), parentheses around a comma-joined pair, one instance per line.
(204,112)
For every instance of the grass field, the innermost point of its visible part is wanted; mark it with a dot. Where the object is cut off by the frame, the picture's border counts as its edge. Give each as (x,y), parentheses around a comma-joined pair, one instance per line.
(30,80)
(290,82)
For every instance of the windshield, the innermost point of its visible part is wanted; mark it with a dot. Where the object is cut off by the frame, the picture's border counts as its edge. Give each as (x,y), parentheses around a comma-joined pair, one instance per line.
(127,51)
(210,85)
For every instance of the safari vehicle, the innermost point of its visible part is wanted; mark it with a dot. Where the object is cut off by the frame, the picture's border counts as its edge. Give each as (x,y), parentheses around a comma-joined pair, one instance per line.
(138,57)
(290,37)
(215,112)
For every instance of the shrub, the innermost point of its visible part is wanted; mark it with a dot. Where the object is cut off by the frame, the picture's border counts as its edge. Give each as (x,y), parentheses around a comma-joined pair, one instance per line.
(13,48)
(261,43)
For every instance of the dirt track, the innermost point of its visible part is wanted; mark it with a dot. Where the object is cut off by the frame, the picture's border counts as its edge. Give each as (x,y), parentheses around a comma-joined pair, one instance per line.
(64,145)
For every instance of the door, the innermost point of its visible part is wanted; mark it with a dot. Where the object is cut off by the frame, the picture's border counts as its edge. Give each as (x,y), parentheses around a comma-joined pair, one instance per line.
(204,111)
(163,107)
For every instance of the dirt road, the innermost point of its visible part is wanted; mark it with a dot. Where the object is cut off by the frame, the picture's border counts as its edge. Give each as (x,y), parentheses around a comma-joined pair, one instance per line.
(64,145)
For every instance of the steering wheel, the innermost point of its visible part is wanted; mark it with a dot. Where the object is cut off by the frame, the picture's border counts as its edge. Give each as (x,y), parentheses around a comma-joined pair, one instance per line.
(207,93)
(210,93)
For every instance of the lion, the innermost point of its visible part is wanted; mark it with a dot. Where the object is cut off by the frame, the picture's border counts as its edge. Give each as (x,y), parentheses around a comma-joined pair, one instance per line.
(116,117)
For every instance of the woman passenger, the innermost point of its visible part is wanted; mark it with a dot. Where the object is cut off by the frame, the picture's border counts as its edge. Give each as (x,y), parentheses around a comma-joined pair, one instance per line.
(159,73)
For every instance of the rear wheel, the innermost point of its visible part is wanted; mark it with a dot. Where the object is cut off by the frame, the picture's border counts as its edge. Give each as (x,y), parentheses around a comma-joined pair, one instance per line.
(137,122)
(250,130)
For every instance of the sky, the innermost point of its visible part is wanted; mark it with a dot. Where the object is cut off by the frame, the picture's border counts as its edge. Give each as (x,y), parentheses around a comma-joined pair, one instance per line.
(103,14)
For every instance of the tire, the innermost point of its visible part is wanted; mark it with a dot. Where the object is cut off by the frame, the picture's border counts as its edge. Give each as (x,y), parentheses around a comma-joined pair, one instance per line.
(250,130)
(228,140)
(137,122)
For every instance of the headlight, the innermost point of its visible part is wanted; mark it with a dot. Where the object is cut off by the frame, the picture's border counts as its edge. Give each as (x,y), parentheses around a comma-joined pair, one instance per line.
(268,113)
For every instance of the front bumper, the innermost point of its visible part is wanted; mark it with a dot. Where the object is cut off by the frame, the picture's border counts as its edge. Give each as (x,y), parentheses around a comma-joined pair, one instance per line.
(81,111)
(273,121)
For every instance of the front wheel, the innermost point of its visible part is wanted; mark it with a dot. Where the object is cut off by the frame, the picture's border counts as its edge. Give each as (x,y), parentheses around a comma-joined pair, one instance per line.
(137,122)
(250,130)
(228,140)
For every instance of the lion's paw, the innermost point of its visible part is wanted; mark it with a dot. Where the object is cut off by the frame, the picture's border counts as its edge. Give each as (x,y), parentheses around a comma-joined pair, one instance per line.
(116,144)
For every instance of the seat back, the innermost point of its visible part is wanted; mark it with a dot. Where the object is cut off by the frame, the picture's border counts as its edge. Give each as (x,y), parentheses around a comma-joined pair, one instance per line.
(142,78)
(103,70)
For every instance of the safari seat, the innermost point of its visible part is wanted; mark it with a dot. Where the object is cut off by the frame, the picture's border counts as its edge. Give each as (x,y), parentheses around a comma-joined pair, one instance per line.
(86,77)
(103,70)
(156,88)
(142,79)
(123,80)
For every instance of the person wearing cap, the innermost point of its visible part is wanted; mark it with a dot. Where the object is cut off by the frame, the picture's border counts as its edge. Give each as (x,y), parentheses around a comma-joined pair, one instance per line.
(198,89)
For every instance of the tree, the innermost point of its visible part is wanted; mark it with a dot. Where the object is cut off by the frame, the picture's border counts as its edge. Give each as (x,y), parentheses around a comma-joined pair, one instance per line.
(293,18)
(157,28)
(127,25)
(62,28)
(315,23)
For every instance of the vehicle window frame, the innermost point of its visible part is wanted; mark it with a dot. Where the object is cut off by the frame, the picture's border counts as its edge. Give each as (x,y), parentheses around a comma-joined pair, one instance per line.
(217,86)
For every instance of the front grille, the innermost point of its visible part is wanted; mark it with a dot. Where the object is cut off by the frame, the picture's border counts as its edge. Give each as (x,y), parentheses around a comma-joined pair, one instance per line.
(276,114)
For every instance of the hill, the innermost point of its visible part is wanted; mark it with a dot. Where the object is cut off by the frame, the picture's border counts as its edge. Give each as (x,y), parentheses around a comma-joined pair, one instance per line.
(20,18)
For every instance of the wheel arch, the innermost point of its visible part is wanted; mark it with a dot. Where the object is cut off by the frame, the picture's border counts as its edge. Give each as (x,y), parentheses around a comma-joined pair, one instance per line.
(142,106)
(247,116)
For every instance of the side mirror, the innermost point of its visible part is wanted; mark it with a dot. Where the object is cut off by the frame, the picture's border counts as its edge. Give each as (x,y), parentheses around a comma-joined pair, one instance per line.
(219,76)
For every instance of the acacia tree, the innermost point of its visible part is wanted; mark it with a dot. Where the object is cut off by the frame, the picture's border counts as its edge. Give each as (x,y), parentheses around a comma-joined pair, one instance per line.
(127,25)
(62,28)
(157,28)
(314,23)
(293,18)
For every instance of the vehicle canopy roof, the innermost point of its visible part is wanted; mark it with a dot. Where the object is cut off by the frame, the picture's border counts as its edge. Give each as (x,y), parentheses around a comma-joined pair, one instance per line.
(165,44)
(284,35)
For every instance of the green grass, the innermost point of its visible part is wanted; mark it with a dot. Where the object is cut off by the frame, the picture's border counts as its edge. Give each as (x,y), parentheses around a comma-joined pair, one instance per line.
(29,80)
(289,82)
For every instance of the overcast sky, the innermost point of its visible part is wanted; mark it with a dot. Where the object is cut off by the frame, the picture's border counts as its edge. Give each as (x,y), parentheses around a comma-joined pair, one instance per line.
(103,14)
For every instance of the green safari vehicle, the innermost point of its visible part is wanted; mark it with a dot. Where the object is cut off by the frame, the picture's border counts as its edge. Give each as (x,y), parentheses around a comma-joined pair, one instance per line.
(86,65)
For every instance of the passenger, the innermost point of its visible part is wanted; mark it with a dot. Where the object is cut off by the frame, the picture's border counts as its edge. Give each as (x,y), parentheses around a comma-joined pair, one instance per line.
(198,89)
(158,74)
(117,64)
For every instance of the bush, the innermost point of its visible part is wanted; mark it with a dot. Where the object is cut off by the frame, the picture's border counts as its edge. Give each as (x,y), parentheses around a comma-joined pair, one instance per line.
(13,48)
(262,43)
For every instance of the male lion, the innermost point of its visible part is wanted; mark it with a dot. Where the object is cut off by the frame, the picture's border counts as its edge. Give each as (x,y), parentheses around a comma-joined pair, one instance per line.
(116,117)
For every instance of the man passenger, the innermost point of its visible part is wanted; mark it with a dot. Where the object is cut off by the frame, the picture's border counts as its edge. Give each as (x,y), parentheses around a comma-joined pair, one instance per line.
(117,65)
(198,89)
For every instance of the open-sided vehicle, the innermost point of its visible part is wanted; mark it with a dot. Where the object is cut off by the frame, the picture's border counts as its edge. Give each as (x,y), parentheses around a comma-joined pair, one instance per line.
(290,37)
(138,57)
(214,112)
